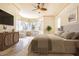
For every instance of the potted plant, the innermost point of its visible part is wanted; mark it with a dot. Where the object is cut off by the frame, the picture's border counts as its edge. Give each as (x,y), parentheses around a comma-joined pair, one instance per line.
(49,28)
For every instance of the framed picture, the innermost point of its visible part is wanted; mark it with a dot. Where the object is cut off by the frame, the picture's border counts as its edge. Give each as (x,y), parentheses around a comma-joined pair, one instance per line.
(72,17)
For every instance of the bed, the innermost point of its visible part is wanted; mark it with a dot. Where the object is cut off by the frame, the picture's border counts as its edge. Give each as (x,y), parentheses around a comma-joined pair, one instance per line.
(51,44)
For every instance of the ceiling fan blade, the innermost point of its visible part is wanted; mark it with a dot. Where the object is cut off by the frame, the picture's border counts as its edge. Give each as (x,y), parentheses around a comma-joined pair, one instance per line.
(44,9)
(34,6)
(42,4)
(34,9)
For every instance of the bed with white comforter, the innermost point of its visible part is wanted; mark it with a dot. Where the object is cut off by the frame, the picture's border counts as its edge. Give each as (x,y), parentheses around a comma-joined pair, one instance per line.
(51,44)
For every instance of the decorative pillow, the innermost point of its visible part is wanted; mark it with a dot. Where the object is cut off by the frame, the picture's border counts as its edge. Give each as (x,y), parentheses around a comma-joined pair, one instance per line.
(68,35)
(76,36)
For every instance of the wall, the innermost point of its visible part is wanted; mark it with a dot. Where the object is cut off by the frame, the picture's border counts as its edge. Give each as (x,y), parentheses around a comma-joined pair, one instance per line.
(64,14)
(9,8)
(49,20)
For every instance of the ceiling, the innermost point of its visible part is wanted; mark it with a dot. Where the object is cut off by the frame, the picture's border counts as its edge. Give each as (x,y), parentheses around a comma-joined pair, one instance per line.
(52,8)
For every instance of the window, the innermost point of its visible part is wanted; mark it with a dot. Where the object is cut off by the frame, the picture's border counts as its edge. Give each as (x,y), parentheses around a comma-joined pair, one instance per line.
(58,23)
(35,25)
(18,26)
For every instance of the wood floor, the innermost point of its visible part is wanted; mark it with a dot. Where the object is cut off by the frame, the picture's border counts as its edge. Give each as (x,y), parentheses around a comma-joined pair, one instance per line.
(19,49)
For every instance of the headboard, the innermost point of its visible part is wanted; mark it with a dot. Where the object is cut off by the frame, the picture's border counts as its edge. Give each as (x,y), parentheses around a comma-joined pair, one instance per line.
(72,27)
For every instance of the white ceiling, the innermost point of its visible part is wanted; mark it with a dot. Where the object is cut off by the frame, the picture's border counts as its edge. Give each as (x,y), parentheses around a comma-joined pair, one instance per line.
(52,8)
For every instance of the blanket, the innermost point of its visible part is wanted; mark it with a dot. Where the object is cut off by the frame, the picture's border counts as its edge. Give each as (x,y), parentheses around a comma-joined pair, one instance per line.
(41,45)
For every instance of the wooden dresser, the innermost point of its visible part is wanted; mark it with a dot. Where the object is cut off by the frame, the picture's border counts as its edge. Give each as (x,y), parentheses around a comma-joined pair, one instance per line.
(7,39)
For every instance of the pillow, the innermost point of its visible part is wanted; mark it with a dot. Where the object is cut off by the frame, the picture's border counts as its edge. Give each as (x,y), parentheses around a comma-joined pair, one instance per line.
(76,36)
(68,35)
(59,33)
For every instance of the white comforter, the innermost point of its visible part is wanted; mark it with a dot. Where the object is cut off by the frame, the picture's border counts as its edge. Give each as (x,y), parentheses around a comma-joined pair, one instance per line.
(61,45)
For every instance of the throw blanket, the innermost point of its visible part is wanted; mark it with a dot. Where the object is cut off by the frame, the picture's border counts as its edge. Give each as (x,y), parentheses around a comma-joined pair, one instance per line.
(41,45)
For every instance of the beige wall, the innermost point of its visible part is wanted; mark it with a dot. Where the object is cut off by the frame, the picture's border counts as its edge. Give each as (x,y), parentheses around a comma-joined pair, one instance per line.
(49,20)
(64,14)
(9,8)
(12,9)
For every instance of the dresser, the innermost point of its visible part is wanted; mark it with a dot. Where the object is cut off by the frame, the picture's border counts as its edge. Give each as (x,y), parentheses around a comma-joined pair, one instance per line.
(8,39)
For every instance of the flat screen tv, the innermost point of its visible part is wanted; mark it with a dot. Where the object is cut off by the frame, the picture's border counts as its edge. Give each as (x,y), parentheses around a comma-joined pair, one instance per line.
(6,18)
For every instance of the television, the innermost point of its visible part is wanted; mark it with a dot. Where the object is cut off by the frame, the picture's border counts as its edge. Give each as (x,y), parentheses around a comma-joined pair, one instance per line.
(6,18)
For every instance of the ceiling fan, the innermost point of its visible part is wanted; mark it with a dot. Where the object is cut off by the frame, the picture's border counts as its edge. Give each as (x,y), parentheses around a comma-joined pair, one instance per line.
(39,6)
